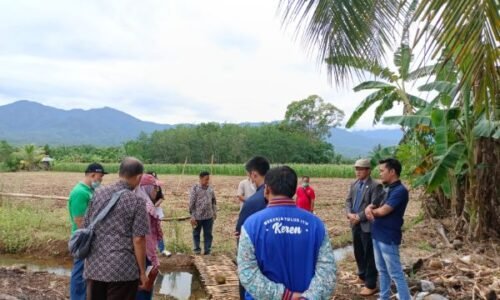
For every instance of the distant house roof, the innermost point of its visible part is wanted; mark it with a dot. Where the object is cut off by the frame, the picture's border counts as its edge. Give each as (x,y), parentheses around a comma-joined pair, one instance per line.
(47,159)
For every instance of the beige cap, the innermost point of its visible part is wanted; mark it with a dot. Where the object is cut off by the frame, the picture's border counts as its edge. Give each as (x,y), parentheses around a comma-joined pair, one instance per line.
(363,163)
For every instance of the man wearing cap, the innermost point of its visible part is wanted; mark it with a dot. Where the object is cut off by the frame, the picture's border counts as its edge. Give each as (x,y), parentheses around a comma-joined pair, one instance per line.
(78,202)
(363,192)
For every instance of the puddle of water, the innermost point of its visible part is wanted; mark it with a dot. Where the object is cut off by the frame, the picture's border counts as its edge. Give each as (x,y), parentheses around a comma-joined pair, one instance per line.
(175,285)
(179,285)
(49,266)
(342,253)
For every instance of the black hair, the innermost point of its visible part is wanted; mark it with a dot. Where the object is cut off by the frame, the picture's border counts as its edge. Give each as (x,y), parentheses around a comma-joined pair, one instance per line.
(305,176)
(130,167)
(392,164)
(282,181)
(204,173)
(259,164)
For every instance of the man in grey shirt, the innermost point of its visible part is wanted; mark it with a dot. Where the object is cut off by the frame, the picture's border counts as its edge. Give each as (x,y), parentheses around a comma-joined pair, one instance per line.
(203,211)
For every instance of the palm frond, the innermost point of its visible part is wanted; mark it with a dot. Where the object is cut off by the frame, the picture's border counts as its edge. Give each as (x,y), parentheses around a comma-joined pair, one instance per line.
(363,64)
(336,28)
(469,31)
(368,85)
(364,105)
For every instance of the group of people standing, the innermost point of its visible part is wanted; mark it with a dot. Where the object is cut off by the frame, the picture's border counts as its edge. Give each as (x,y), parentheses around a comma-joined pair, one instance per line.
(284,249)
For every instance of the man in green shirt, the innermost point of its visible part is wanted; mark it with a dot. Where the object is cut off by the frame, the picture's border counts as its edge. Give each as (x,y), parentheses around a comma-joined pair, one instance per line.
(78,201)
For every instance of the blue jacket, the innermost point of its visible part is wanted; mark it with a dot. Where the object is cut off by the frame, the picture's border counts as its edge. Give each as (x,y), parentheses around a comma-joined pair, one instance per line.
(287,242)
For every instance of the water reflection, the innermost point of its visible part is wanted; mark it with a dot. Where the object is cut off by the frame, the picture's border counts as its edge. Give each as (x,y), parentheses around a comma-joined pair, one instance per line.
(341,253)
(175,284)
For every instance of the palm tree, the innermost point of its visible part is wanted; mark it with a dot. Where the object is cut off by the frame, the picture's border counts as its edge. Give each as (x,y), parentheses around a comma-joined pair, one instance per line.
(464,33)
(30,156)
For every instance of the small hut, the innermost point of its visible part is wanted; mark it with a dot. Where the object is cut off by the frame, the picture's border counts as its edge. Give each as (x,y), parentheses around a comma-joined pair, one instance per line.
(46,162)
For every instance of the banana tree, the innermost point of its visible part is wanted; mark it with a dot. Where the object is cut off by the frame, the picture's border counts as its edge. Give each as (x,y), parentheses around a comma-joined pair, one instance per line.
(391,88)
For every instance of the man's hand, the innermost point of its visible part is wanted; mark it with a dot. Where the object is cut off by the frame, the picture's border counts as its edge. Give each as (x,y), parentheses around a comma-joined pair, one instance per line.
(369,213)
(236,235)
(353,219)
(296,296)
(193,222)
(143,280)
(215,217)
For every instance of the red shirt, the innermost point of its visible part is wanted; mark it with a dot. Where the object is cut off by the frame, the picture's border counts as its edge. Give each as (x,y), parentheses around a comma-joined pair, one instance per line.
(305,196)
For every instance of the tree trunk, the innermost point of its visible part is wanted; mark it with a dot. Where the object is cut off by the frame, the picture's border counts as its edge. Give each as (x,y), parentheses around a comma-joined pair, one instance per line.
(486,193)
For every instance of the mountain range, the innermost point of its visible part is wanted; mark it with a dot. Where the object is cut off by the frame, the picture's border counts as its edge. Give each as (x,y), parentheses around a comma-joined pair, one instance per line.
(24,122)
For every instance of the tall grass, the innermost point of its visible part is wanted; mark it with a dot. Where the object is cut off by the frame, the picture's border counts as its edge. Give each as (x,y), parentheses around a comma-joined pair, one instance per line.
(323,170)
(25,224)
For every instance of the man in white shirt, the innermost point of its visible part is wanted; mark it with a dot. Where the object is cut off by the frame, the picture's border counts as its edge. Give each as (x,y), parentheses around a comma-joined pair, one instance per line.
(246,188)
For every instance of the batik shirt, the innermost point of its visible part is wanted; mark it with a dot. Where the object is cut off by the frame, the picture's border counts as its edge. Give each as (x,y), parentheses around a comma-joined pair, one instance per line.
(202,203)
(111,257)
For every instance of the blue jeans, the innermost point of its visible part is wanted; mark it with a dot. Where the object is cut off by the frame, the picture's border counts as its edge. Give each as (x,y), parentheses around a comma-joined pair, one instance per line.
(78,285)
(161,245)
(207,235)
(389,267)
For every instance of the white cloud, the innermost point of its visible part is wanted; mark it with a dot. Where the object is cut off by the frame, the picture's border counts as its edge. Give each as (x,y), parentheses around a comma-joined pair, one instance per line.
(162,61)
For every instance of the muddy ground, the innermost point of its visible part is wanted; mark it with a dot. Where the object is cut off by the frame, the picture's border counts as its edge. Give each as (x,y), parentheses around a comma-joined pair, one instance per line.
(444,266)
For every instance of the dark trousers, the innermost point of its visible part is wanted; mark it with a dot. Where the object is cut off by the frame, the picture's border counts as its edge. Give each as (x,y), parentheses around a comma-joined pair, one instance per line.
(365,259)
(122,290)
(207,226)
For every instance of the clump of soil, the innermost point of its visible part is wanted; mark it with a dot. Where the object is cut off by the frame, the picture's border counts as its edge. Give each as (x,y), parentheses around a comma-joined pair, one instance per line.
(18,283)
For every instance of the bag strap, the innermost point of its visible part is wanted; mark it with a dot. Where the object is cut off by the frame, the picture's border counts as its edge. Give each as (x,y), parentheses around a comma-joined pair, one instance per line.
(108,207)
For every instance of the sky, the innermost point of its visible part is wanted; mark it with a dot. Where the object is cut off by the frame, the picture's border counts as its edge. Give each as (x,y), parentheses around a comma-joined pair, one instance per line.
(188,61)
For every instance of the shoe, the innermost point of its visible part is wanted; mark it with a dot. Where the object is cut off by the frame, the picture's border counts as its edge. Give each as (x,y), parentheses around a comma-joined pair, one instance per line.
(197,252)
(206,253)
(358,281)
(166,253)
(367,292)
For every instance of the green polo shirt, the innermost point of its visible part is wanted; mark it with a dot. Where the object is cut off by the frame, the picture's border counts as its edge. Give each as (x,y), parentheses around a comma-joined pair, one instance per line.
(79,200)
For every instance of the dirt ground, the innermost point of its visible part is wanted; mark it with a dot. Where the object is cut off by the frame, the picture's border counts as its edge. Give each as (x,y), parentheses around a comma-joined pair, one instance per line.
(420,239)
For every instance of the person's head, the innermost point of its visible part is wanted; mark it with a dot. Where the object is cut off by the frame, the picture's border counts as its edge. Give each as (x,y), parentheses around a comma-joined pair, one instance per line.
(257,168)
(390,170)
(305,181)
(363,168)
(151,186)
(204,178)
(94,174)
(131,170)
(280,182)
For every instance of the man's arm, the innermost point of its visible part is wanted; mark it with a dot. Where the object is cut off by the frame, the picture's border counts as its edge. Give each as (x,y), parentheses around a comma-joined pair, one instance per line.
(323,283)
(78,208)
(258,285)
(353,218)
(214,205)
(382,211)
(140,228)
(312,196)
(240,194)
(192,201)
(140,257)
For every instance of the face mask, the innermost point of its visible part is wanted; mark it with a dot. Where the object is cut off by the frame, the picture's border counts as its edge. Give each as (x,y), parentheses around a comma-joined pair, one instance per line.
(305,184)
(95,184)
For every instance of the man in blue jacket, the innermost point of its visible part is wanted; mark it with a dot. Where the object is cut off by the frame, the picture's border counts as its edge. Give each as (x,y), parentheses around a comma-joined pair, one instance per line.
(284,251)
(256,168)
